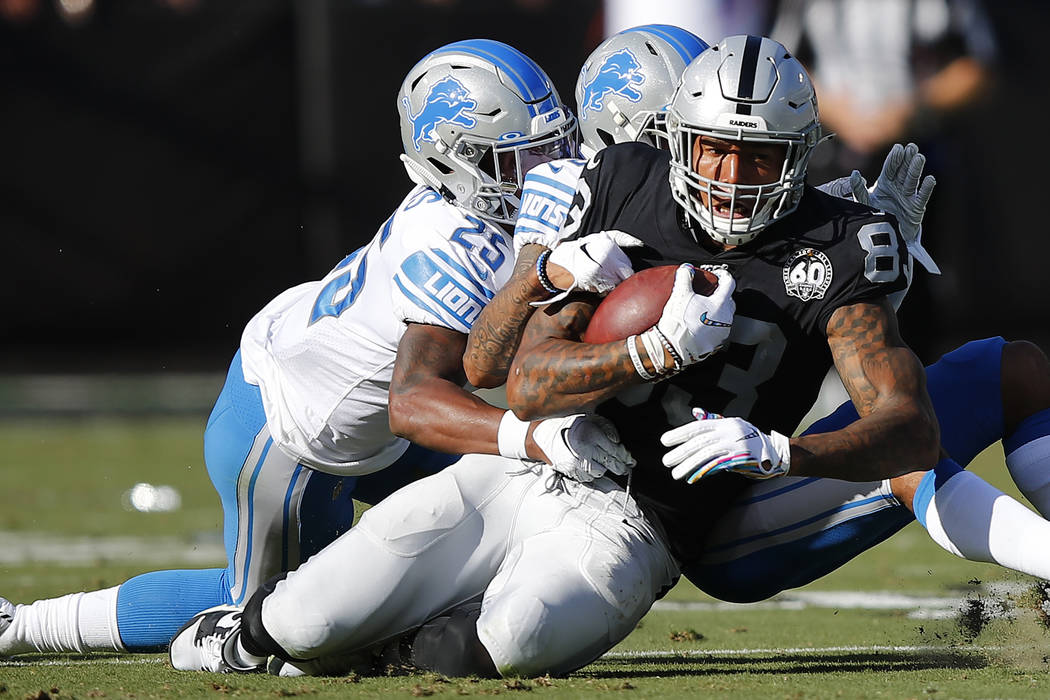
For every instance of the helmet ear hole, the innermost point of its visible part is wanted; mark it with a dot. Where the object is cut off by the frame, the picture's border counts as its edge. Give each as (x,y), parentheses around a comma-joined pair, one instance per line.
(439,166)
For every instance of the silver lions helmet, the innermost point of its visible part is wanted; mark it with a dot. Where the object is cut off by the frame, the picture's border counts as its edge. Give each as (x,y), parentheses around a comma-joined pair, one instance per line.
(750,89)
(475,116)
(626,83)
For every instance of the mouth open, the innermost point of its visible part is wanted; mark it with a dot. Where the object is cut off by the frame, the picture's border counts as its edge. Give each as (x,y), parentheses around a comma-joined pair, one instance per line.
(725,208)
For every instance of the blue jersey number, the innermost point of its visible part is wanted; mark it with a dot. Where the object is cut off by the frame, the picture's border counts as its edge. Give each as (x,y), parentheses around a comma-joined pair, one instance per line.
(354,267)
(475,239)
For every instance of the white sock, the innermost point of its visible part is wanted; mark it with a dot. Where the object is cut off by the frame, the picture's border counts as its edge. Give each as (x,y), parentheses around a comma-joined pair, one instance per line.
(972,519)
(74,623)
(1029,466)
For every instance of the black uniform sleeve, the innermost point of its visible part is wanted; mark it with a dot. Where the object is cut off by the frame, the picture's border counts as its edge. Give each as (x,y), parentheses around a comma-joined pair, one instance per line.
(869,262)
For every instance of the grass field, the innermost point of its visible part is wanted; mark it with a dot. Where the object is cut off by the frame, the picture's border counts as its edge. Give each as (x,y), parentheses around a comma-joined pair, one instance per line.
(905,620)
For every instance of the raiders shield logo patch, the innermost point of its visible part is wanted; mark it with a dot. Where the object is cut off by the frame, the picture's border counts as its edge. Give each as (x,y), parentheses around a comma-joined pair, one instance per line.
(807,274)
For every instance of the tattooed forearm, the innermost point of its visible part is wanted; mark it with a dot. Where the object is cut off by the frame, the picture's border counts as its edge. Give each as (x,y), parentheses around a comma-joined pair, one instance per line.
(554,374)
(495,336)
(897,431)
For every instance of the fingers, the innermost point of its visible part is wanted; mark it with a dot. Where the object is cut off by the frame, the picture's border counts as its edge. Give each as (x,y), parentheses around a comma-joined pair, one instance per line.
(676,436)
(624,239)
(683,279)
(925,190)
(914,172)
(726,284)
(859,187)
(893,162)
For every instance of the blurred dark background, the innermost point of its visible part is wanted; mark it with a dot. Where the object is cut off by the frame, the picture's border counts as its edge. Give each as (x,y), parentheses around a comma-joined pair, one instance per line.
(168,166)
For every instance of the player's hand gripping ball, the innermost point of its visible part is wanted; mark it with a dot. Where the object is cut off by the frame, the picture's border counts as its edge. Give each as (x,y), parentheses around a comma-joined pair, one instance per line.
(637,303)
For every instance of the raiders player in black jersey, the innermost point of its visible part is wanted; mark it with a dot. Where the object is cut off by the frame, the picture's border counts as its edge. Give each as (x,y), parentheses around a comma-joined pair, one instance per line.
(812,275)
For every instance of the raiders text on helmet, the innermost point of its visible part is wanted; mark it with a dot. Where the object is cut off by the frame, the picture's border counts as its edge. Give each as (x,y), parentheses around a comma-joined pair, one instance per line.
(748,88)
(475,115)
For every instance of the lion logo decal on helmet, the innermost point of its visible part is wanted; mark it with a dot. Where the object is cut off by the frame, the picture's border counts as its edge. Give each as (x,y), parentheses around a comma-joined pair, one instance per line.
(447,102)
(620,74)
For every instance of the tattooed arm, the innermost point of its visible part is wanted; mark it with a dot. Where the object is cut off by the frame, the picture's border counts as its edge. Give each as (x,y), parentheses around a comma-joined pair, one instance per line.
(428,404)
(592,263)
(495,336)
(897,431)
(553,373)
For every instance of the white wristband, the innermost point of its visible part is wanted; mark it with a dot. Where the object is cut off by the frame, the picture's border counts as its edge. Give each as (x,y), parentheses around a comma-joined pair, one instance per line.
(654,349)
(782,446)
(511,436)
(639,367)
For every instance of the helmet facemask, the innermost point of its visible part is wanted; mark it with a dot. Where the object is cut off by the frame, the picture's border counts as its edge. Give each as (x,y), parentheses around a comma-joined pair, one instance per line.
(761,204)
(500,168)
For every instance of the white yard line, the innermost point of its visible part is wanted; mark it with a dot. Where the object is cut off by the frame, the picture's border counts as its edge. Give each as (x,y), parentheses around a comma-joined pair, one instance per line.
(626,655)
(22,548)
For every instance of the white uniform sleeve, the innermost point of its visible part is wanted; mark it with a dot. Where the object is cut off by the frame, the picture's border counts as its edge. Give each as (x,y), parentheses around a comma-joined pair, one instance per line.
(453,273)
(546,197)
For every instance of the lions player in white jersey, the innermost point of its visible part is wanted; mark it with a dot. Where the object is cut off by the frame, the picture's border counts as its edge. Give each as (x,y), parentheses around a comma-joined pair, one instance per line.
(335,377)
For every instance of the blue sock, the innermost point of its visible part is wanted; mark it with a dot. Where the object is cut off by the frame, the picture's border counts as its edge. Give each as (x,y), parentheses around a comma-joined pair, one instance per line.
(1028,459)
(152,607)
(933,480)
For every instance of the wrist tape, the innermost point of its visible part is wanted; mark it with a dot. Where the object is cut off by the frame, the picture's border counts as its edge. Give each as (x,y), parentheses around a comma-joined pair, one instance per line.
(511,436)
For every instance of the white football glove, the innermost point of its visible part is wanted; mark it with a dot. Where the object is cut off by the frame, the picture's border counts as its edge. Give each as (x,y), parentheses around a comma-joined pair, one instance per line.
(899,192)
(713,444)
(596,261)
(582,447)
(692,326)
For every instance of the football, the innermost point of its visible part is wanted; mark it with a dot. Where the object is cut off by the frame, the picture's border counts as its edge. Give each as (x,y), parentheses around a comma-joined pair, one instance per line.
(637,303)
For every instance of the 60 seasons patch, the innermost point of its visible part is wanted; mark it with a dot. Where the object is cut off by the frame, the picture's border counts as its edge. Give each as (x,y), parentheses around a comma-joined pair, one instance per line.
(807,274)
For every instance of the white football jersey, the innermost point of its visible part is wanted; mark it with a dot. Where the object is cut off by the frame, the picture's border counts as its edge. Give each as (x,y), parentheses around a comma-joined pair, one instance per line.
(322,353)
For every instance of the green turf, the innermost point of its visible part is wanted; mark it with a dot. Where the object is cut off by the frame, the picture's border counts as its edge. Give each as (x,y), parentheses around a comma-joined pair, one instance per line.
(66,478)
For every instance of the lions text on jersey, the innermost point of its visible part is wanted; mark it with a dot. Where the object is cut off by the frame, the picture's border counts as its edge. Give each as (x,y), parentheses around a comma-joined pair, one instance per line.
(322,353)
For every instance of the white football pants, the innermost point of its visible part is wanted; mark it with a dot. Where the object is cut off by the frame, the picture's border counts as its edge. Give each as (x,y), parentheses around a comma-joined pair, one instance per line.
(565,570)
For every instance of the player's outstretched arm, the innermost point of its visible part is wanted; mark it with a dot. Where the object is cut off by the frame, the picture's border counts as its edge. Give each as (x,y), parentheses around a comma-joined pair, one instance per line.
(898,431)
(429,406)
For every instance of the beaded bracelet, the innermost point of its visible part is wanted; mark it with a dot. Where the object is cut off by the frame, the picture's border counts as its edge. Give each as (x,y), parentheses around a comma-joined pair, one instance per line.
(541,272)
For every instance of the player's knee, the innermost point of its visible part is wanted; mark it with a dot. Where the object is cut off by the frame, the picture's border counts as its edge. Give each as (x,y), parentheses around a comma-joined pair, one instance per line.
(277,622)
(517,634)
(1025,381)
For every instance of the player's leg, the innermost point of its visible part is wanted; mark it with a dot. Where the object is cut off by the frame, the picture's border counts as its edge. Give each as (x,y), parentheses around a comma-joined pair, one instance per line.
(573,586)
(1026,409)
(800,529)
(261,490)
(428,547)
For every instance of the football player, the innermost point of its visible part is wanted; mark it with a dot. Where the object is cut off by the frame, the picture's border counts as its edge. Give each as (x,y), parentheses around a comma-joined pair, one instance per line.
(541,597)
(986,391)
(335,377)
(563,571)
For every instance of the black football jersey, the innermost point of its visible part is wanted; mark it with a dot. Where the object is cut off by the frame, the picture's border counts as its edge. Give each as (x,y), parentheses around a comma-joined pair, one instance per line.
(789,280)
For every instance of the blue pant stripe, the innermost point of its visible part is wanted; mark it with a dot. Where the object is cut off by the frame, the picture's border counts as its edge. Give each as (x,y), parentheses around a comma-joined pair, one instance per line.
(286,517)
(772,494)
(800,524)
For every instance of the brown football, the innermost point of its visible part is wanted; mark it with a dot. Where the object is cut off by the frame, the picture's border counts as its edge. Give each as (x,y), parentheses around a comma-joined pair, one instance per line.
(638,302)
